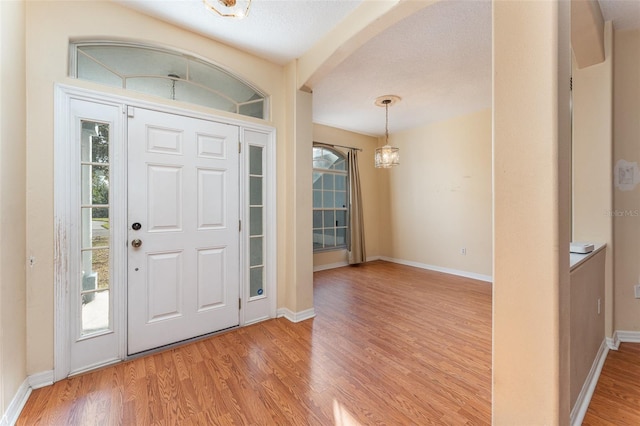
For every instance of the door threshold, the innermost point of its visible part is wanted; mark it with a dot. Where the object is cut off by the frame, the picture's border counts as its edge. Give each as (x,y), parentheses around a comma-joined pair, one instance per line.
(180,343)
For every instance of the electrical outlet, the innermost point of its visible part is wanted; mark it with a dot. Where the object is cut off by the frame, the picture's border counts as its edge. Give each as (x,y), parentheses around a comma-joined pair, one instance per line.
(637,288)
(463,251)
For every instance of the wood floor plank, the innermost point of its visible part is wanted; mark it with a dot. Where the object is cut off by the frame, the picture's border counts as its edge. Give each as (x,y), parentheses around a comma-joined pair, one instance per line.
(390,344)
(616,399)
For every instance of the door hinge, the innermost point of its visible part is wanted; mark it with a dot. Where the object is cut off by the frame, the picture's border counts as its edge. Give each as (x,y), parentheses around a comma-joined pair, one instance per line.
(130,111)
(239,226)
(239,148)
(239,303)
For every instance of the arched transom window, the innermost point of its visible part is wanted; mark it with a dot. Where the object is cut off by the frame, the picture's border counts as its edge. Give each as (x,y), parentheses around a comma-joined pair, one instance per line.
(168,74)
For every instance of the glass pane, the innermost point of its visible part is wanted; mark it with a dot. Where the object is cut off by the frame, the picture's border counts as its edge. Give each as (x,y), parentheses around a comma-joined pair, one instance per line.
(327,199)
(188,92)
(95,227)
(147,70)
(329,219)
(341,199)
(255,221)
(327,181)
(341,218)
(95,269)
(95,311)
(340,165)
(133,60)
(94,142)
(255,160)
(254,109)
(217,79)
(317,239)
(323,158)
(341,182)
(341,236)
(317,218)
(255,251)
(90,70)
(255,191)
(255,281)
(317,180)
(95,184)
(317,199)
(329,237)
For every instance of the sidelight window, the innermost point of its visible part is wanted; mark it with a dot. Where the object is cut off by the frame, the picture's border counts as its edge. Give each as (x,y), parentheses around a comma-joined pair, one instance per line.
(95,229)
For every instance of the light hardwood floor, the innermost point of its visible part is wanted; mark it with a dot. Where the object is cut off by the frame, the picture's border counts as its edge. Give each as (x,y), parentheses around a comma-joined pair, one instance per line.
(390,344)
(616,400)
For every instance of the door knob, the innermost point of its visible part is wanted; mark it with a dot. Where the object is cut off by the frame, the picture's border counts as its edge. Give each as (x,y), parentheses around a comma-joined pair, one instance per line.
(136,243)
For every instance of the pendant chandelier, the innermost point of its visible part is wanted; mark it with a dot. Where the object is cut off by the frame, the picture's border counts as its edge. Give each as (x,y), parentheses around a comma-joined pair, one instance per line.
(229,9)
(387,156)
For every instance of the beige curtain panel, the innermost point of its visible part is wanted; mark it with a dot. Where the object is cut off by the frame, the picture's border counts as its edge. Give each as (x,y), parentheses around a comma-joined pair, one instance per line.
(356,249)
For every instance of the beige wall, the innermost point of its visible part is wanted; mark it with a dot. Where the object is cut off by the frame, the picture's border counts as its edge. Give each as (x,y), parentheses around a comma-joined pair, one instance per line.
(592,160)
(369,177)
(50,25)
(626,144)
(13,262)
(439,197)
(531,208)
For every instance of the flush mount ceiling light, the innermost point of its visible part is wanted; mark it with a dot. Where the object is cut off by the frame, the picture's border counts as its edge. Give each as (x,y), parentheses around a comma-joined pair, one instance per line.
(387,156)
(229,8)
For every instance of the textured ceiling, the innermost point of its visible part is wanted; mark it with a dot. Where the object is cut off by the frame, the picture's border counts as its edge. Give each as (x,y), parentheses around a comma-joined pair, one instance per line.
(438,60)
(625,14)
(277,30)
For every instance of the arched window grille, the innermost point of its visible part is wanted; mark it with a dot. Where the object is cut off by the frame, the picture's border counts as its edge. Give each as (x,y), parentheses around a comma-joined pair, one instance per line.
(165,73)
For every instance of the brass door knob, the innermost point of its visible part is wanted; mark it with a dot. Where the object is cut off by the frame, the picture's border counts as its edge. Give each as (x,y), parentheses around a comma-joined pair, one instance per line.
(136,243)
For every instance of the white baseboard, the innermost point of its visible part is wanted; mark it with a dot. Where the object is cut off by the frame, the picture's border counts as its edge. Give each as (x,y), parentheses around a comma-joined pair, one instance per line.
(40,380)
(296,316)
(16,405)
(330,266)
(457,272)
(340,264)
(584,398)
(628,336)
(613,342)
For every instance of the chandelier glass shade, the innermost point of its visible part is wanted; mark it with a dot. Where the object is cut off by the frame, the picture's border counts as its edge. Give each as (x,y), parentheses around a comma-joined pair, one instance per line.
(229,8)
(387,156)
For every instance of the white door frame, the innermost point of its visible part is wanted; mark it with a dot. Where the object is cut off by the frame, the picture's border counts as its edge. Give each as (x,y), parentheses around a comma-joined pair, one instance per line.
(65,231)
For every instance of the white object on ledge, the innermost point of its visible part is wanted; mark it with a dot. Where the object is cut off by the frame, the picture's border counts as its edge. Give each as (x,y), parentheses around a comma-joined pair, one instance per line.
(581,248)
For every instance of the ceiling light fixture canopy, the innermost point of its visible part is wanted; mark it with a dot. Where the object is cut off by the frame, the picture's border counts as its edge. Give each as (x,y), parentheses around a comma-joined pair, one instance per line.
(231,9)
(387,156)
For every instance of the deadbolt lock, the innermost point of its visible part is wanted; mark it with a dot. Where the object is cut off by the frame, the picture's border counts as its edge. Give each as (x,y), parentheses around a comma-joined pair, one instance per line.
(136,226)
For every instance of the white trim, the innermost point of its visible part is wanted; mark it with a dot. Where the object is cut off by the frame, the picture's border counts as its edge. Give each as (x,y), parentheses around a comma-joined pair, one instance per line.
(296,316)
(40,380)
(584,398)
(330,266)
(16,405)
(340,264)
(613,342)
(457,272)
(627,336)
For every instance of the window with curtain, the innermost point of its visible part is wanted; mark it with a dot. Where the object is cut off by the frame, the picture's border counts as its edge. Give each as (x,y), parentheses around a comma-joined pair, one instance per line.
(330,199)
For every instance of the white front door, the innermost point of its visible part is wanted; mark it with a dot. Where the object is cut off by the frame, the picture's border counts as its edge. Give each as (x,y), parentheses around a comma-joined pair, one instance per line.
(183,236)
